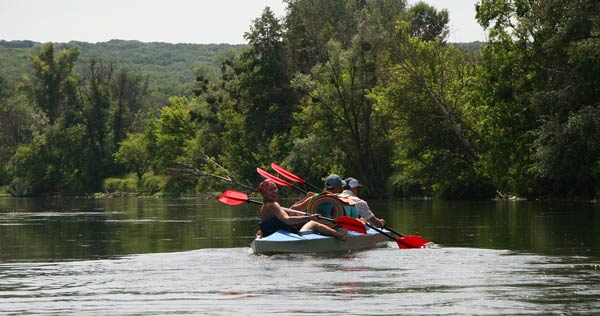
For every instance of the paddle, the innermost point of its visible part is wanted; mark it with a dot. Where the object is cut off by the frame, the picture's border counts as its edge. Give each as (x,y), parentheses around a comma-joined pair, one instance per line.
(403,242)
(291,176)
(231,197)
(279,181)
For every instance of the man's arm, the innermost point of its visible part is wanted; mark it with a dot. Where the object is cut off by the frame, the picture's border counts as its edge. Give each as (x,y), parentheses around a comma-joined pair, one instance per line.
(302,205)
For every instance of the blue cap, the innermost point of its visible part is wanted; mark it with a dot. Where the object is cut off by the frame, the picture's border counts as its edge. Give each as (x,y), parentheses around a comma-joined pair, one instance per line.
(334,181)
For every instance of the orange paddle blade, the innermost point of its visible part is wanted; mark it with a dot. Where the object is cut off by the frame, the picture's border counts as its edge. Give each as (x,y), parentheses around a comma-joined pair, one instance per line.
(286,173)
(412,241)
(273,178)
(231,197)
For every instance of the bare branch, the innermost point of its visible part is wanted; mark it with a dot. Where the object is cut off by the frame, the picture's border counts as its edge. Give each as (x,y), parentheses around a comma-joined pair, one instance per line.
(184,169)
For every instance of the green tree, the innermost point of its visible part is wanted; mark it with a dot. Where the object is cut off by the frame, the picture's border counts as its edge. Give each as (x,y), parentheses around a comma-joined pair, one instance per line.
(50,163)
(311,24)
(97,101)
(426,95)
(48,84)
(72,154)
(128,91)
(218,114)
(17,126)
(337,109)
(173,132)
(264,82)
(503,120)
(249,107)
(338,65)
(427,23)
(134,152)
(17,123)
(557,43)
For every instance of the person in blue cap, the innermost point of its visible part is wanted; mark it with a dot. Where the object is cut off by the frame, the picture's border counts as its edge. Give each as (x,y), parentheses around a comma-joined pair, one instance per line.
(334,184)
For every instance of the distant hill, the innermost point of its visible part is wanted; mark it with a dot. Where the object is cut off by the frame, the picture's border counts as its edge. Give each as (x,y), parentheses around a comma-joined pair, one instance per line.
(471,47)
(165,64)
(169,66)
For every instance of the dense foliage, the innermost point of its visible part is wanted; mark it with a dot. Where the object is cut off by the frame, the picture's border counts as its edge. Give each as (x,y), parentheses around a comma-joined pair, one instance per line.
(369,89)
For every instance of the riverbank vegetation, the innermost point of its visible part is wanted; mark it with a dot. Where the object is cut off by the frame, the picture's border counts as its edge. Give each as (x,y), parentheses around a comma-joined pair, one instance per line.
(369,89)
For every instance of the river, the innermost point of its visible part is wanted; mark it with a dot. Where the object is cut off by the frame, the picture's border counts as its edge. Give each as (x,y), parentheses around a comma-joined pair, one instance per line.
(158,256)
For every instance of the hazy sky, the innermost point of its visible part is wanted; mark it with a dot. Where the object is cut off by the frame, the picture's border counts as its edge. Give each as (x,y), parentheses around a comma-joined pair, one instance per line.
(171,21)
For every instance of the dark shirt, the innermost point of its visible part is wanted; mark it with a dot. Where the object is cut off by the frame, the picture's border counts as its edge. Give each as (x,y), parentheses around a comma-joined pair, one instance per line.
(273,224)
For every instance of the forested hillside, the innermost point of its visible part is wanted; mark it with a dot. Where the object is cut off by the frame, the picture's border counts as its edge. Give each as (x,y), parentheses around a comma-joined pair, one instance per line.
(169,67)
(164,63)
(369,89)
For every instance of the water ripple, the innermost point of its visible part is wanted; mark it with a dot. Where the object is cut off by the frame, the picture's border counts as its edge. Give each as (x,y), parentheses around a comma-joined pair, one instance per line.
(384,281)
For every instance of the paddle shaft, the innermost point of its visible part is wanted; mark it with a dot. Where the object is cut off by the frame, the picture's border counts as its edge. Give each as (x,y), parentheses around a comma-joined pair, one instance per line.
(314,187)
(403,242)
(381,231)
(393,231)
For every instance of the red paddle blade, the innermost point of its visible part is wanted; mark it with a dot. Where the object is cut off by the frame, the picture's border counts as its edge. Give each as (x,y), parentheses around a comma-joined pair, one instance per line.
(231,197)
(287,174)
(351,223)
(411,242)
(273,178)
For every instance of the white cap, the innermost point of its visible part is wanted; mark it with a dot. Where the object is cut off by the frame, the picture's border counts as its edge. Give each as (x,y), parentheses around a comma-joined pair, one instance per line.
(352,183)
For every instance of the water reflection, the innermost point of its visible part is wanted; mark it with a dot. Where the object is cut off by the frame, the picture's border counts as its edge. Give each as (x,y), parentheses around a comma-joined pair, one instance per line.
(546,227)
(56,229)
(66,229)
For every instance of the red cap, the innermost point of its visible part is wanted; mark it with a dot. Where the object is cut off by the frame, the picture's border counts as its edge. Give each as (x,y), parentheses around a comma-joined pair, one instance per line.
(262,187)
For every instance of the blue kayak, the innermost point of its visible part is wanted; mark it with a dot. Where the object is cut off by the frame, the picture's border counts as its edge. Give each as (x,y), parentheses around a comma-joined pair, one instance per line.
(284,241)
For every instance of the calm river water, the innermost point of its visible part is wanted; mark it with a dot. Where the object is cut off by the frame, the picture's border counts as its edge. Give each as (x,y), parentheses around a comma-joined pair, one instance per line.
(148,256)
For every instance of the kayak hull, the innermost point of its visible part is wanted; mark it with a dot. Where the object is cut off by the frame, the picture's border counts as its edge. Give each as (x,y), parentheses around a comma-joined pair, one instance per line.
(283,241)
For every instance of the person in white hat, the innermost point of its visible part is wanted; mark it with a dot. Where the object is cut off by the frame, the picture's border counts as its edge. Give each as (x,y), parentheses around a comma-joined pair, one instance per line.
(351,190)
